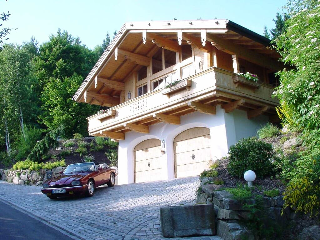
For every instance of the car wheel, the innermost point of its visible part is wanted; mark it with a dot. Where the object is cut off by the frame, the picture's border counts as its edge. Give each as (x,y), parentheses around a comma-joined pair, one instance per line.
(112,180)
(90,188)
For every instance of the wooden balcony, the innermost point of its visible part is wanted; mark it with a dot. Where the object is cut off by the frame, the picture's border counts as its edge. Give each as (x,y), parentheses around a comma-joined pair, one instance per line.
(201,92)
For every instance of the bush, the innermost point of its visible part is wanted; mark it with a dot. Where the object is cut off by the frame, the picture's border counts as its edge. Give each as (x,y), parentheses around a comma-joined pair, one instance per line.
(268,131)
(303,190)
(251,154)
(240,193)
(272,193)
(34,166)
(69,143)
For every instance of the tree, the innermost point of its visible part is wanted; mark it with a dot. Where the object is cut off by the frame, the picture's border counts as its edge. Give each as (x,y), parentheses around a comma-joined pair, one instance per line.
(19,103)
(299,95)
(62,65)
(4,31)
(279,26)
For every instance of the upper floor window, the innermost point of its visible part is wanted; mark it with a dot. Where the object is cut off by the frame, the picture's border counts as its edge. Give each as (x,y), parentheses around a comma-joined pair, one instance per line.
(142,90)
(156,83)
(142,73)
(169,58)
(157,61)
(186,52)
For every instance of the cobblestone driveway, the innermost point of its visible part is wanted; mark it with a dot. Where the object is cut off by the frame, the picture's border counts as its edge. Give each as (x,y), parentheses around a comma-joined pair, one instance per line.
(122,212)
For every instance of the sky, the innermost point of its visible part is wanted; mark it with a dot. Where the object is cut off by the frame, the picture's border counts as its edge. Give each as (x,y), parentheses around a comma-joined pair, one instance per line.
(91,20)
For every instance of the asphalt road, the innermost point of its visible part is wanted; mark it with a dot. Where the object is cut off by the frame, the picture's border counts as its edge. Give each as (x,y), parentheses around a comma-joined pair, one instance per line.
(16,225)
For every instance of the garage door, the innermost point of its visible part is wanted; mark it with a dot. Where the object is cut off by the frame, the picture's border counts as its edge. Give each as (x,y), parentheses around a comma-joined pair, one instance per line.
(148,161)
(192,152)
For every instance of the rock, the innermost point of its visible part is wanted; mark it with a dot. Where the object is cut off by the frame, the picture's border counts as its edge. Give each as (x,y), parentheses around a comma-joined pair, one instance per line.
(292,142)
(310,233)
(21,182)
(232,231)
(15,180)
(201,198)
(183,221)
(24,176)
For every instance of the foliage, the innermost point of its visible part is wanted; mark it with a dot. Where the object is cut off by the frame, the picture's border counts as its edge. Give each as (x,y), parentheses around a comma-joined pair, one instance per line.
(169,85)
(251,154)
(61,66)
(279,28)
(268,131)
(112,155)
(42,146)
(240,193)
(88,158)
(4,31)
(303,190)
(299,95)
(69,143)
(81,150)
(209,173)
(34,166)
(249,76)
(272,193)
(25,145)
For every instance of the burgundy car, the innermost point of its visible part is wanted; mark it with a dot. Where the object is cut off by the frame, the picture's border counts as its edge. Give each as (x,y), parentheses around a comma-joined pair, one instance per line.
(79,179)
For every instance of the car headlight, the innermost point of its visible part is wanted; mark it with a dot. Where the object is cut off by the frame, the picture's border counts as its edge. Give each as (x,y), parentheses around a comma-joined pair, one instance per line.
(76,183)
(45,185)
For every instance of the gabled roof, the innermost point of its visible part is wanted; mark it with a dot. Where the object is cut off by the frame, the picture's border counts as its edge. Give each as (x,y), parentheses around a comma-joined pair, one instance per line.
(137,41)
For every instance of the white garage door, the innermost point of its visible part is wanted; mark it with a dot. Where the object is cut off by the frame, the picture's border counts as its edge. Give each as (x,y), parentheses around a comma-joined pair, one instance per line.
(148,161)
(192,152)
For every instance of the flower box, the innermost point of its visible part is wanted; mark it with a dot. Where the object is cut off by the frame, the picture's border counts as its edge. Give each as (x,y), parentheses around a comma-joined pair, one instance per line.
(107,115)
(175,87)
(242,81)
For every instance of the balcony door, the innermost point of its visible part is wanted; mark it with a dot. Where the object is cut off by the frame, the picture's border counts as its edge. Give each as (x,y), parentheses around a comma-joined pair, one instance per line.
(192,152)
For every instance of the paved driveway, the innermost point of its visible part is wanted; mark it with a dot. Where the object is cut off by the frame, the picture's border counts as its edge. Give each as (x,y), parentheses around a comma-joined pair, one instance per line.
(122,212)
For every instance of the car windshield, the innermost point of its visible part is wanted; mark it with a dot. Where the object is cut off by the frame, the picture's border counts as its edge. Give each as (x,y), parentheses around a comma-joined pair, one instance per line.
(79,167)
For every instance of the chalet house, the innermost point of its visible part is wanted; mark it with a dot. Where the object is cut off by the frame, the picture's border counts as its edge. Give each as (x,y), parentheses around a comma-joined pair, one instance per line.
(176,99)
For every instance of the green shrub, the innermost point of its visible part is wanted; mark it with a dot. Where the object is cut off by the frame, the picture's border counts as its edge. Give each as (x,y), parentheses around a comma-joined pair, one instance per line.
(209,173)
(100,141)
(69,143)
(81,150)
(303,190)
(82,144)
(272,193)
(112,155)
(77,136)
(88,158)
(251,154)
(268,131)
(34,166)
(240,193)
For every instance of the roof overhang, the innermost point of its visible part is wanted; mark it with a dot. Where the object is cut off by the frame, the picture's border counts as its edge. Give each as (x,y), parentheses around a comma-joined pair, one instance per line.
(136,42)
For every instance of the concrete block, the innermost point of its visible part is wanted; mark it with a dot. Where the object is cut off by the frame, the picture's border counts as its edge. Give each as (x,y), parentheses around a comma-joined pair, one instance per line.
(183,221)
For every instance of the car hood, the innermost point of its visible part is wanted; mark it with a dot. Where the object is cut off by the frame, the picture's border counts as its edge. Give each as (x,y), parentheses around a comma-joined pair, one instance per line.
(65,179)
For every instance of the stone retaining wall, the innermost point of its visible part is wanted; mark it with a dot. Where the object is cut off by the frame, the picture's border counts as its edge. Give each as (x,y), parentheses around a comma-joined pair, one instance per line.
(28,177)
(231,214)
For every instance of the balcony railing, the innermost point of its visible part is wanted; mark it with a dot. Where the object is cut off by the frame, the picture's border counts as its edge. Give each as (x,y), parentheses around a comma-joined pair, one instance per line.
(200,86)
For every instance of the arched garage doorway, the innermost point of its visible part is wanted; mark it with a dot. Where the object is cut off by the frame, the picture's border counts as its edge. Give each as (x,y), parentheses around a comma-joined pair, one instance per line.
(148,166)
(192,152)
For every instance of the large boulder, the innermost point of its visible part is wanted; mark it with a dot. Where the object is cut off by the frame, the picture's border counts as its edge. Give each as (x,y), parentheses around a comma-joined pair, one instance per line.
(183,221)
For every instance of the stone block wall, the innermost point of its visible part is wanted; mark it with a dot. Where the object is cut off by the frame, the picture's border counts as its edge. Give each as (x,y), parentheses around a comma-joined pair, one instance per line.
(231,215)
(27,177)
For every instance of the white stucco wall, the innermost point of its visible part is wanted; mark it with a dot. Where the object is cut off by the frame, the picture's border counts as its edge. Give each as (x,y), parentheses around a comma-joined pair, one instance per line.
(225,130)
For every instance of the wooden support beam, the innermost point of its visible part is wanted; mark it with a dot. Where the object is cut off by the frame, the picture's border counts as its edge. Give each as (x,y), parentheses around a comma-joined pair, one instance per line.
(245,53)
(137,128)
(203,108)
(171,119)
(103,98)
(119,86)
(113,135)
(197,42)
(165,43)
(229,107)
(256,112)
(137,58)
